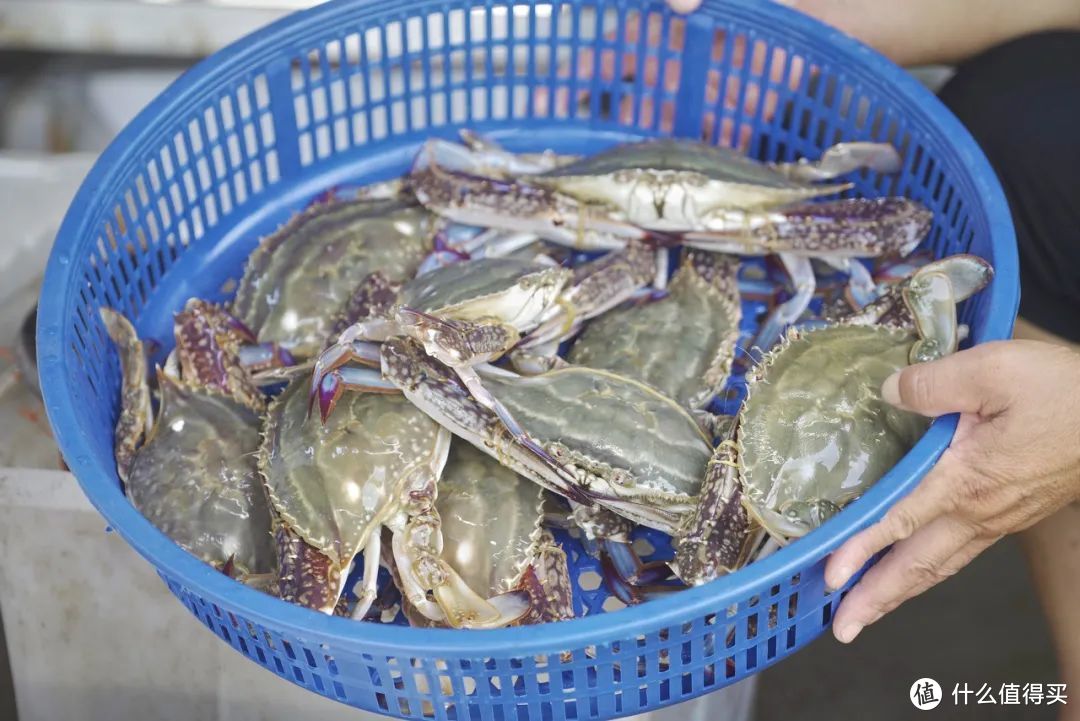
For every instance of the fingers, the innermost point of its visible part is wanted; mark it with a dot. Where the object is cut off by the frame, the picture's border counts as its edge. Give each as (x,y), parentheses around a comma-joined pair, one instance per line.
(684,6)
(931,498)
(971,381)
(914,565)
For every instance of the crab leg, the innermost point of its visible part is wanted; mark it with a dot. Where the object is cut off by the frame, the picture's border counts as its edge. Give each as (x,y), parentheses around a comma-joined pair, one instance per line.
(136,417)
(862,289)
(843,158)
(482,156)
(367,589)
(485,244)
(264,356)
(626,575)
(802,275)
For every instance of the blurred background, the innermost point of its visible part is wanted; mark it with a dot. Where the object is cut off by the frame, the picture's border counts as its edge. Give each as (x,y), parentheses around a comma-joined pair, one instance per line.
(72,74)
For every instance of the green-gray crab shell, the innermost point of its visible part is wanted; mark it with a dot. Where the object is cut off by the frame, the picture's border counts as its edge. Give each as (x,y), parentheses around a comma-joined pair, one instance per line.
(490,519)
(510,289)
(814,432)
(336,483)
(299,279)
(196,479)
(681,345)
(612,427)
(726,176)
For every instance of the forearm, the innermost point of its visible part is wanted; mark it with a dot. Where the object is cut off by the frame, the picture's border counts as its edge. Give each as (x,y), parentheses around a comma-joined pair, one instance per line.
(917,32)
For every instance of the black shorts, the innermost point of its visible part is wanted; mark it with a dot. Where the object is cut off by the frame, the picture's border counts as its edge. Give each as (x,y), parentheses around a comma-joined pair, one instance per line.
(1021,101)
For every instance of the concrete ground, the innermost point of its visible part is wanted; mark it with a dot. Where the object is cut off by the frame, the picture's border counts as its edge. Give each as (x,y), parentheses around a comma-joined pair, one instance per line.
(982,626)
(7,692)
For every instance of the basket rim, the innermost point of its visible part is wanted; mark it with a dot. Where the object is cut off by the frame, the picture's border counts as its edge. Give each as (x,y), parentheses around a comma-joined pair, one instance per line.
(98,480)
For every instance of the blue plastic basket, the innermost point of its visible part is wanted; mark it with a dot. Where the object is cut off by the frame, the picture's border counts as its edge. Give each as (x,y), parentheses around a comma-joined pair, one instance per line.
(344,93)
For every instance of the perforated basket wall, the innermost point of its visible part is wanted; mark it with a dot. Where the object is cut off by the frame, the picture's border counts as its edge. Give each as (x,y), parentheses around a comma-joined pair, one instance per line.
(343,94)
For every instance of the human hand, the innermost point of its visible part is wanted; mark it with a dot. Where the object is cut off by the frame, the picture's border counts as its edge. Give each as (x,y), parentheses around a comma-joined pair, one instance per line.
(1015,459)
(684,6)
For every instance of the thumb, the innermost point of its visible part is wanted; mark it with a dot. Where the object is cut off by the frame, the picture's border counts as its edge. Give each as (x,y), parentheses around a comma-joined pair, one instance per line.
(684,6)
(971,381)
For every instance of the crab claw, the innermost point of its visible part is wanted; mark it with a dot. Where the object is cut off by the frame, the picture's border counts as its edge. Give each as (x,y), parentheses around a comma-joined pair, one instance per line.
(717,538)
(262,356)
(347,378)
(932,301)
(330,361)
(465,609)
(629,566)
(330,389)
(454,342)
(208,343)
(416,548)
(627,590)
(850,227)
(843,158)
(863,226)
(307,576)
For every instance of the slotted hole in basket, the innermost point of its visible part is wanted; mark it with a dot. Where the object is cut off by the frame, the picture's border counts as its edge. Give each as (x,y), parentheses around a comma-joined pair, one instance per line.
(589,580)
(188,179)
(356,93)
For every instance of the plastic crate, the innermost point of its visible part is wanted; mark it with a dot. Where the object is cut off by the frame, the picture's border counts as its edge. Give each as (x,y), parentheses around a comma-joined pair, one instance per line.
(343,94)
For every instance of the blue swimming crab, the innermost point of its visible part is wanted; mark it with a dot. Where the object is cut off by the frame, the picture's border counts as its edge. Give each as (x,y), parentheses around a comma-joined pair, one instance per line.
(476,311)
(671,190)
(191,469)
(682,344)
(299,282)
(814,433)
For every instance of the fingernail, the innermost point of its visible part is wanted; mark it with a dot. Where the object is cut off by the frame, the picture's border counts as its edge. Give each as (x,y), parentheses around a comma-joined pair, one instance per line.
(838,578)
(890,389)
(847,632)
